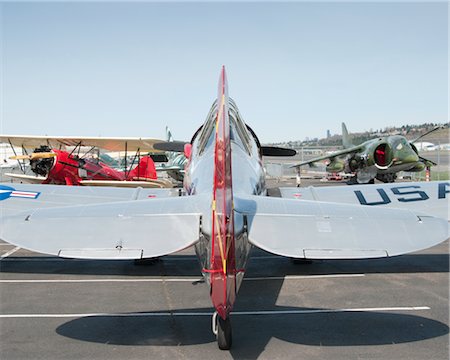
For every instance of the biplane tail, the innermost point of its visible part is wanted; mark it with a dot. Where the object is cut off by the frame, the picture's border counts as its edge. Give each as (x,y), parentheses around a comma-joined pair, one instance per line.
(145,170)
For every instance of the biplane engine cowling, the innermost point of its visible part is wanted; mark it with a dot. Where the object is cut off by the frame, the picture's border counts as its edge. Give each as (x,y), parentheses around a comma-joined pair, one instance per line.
(335,166)
(42,166)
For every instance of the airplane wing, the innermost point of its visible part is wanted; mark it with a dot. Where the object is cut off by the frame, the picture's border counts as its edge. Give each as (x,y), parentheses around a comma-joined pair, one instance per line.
(330,156)
(131,144)
(431,197)
(320,230)
(427,162)
(31,179)
(22,197)
(130,229)
(155,183)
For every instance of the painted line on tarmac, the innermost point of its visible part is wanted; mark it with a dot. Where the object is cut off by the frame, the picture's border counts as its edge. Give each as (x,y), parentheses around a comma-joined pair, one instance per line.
(234,313)
(288,277)
(10,252)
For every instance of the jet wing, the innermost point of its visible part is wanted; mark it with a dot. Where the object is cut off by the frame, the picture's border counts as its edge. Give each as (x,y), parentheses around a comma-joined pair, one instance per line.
(330,156)
(111,144)
(110,230)
(431,197)
(320,230)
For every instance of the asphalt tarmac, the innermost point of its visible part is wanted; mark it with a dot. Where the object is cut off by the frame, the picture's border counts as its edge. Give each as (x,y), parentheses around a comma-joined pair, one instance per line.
(396,308)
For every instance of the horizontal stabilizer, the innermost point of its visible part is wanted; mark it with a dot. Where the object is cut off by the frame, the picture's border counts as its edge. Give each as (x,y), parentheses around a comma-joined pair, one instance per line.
(277,151)
(310,229)
(173,146)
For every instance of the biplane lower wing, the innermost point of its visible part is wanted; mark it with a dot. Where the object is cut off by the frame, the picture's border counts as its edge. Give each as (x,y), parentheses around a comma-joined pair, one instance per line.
(320,230)
(30,179)
(154,183)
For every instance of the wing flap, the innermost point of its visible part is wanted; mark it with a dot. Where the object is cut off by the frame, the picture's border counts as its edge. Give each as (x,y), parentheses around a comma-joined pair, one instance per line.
(118,254)
(336,231)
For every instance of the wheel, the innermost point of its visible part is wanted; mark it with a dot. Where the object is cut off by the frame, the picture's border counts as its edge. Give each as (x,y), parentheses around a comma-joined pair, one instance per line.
(224,338)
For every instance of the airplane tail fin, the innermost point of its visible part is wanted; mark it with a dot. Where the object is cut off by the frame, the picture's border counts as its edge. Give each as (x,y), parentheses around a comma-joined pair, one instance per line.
(346,142)
(223,283)
(169,136)
(145,170)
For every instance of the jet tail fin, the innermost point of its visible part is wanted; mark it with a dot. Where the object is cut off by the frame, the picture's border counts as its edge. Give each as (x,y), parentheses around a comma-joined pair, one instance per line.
(346,142)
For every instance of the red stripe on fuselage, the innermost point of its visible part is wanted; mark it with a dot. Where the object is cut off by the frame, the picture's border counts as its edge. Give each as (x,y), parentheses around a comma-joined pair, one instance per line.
(223,265)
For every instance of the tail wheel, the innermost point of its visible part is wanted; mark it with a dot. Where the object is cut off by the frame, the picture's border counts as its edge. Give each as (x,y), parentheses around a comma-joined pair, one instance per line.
(224,338)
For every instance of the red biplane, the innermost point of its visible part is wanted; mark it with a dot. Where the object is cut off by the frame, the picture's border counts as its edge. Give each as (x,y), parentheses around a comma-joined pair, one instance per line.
(61,167)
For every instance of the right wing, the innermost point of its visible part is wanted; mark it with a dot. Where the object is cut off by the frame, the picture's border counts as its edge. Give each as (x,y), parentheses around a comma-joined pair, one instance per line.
(431,197)
(330,156)
(320,230)
(110,230)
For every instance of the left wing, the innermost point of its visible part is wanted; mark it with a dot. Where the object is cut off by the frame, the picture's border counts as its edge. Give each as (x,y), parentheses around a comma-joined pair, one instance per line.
(110,230)
(108,143)
(320,230)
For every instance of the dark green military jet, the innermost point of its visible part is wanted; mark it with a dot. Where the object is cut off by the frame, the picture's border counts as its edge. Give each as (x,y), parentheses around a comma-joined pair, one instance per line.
(381,158)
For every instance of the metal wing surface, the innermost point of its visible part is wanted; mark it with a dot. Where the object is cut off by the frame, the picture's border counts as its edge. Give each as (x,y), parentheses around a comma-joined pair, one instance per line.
(331,156)
(320,230)
(107,143)
(431,198)
(111,230)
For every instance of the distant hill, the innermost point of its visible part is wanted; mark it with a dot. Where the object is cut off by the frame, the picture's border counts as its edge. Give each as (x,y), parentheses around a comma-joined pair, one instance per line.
(409,131)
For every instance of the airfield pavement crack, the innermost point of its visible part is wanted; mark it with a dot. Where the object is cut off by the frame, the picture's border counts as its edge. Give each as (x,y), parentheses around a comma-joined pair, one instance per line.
(173,324)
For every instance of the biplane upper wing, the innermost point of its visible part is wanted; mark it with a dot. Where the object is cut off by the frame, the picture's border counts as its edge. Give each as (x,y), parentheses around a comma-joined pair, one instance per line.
(134,228)
(321,230)
(131,144)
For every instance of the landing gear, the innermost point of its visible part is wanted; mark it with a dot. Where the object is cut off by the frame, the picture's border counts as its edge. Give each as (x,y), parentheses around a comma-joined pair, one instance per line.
(387,178)
(222,330)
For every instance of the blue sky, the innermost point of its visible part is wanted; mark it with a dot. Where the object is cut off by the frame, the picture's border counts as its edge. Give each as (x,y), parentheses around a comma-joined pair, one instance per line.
(295,69)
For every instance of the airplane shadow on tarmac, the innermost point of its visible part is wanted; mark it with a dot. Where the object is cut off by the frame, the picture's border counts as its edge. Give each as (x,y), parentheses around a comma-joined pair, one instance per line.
(252,333)
(188,266)
(321,329)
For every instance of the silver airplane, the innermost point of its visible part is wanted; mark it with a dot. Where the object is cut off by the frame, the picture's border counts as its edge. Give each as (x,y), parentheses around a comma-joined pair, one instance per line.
(224,213)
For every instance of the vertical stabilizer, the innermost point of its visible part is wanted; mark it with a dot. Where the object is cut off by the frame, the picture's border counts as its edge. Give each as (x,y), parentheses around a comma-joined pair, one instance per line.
(346,142)
(222,267)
